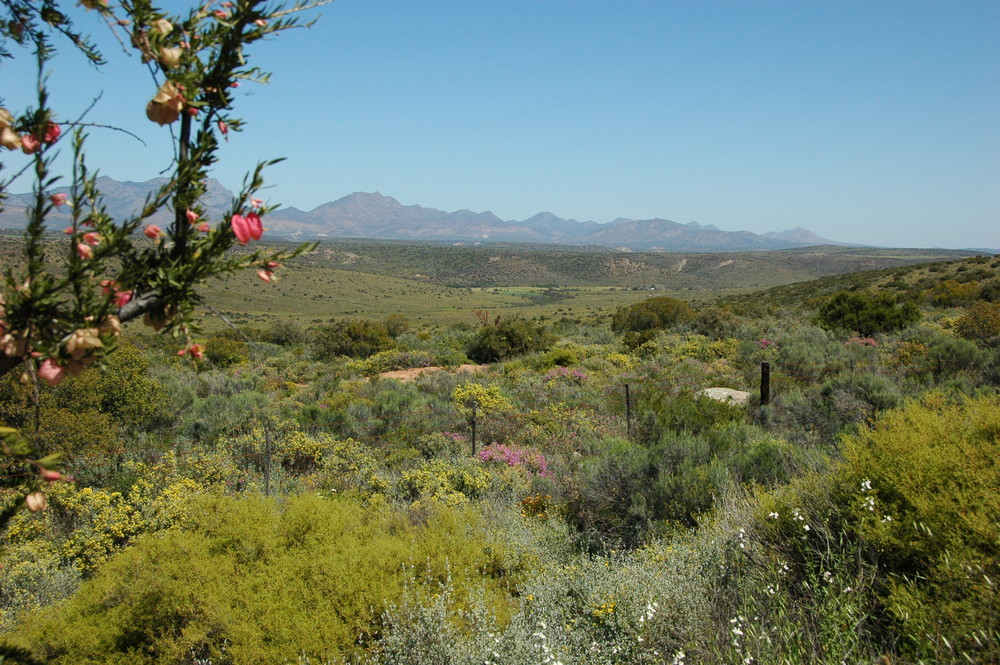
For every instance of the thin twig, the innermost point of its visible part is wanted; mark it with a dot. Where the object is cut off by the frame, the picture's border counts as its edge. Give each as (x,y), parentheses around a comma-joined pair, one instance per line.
(228,322)
(301,8)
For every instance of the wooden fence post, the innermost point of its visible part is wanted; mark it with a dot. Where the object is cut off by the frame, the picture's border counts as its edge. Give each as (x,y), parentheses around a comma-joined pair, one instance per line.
(628,413)
(267,459)
(765,383)
(473,427)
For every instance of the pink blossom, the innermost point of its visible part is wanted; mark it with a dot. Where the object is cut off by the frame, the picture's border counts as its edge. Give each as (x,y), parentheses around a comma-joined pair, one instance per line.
(203,227)
(221,15)
(256,203)
(255,226)
(68,230)
(59,199)
(192,216)
(234,84)
(29,144)
(51,372)
(50,476)
(123,298)
(265,275)
(241,227)
(84,251)
(52,133)
(765,343)
(224,128)
(92,238)
(107,285)
(260,23)
(153,231)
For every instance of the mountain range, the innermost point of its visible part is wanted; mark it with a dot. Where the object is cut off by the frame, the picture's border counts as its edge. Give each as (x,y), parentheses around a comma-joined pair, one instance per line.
(372,215)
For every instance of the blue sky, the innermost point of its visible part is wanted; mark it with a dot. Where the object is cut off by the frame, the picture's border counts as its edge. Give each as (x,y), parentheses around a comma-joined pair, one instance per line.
(871,122)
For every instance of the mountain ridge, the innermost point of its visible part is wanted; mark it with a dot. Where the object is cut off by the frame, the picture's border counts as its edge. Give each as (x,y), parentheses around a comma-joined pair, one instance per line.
(374,215)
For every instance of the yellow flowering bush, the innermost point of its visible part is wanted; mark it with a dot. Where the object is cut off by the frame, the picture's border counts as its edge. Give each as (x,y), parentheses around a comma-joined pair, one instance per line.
(488,399)
(449,482)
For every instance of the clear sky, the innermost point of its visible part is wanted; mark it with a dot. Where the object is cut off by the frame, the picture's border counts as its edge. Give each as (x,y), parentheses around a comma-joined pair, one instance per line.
(869,121)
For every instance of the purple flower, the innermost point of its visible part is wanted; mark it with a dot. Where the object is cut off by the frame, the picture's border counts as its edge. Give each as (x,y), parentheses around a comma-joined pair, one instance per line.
(531,460)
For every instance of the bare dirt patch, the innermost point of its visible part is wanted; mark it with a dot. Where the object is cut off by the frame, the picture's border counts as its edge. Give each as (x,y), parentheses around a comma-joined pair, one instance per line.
(408,375)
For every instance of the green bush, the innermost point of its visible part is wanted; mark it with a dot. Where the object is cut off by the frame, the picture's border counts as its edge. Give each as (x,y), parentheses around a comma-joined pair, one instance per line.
(980,322)
(622,490)
(357,338)
(916,498)
(507,338)
(951,293)
(247,581)
(225,351)
(809,355)
(866,314)
(284,333)
(989,291)
(639,322)
(816,415)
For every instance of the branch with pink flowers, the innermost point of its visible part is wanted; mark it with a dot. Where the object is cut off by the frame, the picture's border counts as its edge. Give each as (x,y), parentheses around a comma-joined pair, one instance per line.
(57,318)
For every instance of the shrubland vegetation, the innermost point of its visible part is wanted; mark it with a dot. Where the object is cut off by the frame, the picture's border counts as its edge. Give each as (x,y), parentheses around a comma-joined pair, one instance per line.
(286,504)
(575,500)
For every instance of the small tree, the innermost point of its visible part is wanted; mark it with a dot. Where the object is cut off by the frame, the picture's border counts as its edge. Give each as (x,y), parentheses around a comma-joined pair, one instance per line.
(866,314)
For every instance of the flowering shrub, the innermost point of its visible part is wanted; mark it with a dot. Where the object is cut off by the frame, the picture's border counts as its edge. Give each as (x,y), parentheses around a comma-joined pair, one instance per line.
(576,375)
(440,480)
(530,460)
(487,399)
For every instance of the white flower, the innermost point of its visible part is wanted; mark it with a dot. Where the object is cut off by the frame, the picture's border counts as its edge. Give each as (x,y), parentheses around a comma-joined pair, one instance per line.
(773,515)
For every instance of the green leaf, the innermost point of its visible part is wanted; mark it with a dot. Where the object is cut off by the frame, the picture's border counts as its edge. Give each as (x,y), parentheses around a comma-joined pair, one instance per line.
(13,443)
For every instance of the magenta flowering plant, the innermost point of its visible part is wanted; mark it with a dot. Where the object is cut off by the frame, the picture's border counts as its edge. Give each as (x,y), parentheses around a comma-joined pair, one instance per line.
(531,460)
